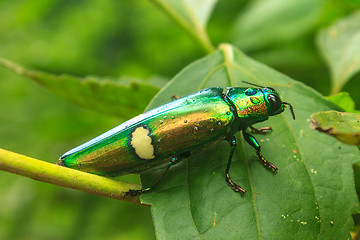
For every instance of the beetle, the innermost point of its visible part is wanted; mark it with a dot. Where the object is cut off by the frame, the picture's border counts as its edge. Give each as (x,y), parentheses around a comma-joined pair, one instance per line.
(170,132)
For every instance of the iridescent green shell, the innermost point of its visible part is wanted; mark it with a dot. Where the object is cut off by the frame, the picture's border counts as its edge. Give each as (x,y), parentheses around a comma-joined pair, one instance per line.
(172,129)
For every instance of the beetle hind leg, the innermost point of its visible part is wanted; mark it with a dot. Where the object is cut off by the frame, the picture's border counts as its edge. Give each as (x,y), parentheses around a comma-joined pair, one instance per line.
(172,162)
(229,181)
(234,186)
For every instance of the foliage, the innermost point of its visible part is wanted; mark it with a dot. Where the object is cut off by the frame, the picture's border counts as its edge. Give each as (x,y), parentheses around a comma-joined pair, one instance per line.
(313,193)
(343,126)
(124,98)
(289,205)
(340,45)
(343,100)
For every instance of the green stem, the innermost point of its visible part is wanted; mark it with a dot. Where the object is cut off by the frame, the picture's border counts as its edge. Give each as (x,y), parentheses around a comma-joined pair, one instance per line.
(197,32)
(336,87)
(66,177)
(357,234)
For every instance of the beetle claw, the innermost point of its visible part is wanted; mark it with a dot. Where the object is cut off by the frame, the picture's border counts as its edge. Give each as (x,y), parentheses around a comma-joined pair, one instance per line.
(234,186)
(265,162)
(133,193)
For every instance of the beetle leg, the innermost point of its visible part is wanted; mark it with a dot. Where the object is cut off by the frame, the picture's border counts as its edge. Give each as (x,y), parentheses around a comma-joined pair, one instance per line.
(263,130)
(229,181)
(252,141)
(133,193)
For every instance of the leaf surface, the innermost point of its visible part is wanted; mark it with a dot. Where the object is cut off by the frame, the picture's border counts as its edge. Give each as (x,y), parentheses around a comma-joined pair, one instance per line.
(340,46)
(311,197)
(195,13)
(124,98)
(264,22)
(341,125)
(343,100)
(192,16)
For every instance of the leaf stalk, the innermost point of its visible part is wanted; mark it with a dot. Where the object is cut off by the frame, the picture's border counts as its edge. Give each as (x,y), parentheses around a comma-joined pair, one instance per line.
(66,177)
(195,30)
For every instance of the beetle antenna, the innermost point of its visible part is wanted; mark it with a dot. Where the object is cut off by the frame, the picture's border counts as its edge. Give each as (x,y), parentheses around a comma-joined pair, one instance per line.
(253,84)
(291,109)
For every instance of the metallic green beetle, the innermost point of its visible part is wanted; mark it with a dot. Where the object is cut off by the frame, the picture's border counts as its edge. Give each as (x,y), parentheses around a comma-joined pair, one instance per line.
(170,132)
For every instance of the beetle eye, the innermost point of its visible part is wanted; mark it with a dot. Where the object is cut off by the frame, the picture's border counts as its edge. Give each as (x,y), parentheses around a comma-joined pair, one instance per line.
(275,102)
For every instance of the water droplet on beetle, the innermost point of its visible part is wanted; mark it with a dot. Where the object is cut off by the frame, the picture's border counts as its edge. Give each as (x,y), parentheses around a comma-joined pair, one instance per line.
(250,91)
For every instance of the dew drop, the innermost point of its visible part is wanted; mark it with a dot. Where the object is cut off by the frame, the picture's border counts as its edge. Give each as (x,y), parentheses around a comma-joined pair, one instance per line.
(250,91)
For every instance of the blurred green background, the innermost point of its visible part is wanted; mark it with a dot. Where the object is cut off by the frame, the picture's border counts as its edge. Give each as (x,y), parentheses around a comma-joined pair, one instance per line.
(120,39)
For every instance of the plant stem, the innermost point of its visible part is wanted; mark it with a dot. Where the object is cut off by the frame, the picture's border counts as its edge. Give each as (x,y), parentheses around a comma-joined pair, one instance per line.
(66,177)
(357,234)
(195,30)
(336,87)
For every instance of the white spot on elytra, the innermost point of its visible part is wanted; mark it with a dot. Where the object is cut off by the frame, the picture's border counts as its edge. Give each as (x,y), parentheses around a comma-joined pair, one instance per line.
(141,142)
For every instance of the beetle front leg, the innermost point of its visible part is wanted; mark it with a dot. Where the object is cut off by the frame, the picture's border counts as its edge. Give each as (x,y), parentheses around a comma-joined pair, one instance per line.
(263,130)
(252,141)
(134,193)
(229,181)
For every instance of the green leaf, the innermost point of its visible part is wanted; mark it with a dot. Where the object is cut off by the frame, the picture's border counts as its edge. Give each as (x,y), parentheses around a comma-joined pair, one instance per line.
(192,16)
(341,125)
(340,45)
(267,21)
(343,100)
(312,195)
(124,98)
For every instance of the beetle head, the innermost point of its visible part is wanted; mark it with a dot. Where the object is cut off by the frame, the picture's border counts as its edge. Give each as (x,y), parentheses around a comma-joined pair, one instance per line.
(274,103)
